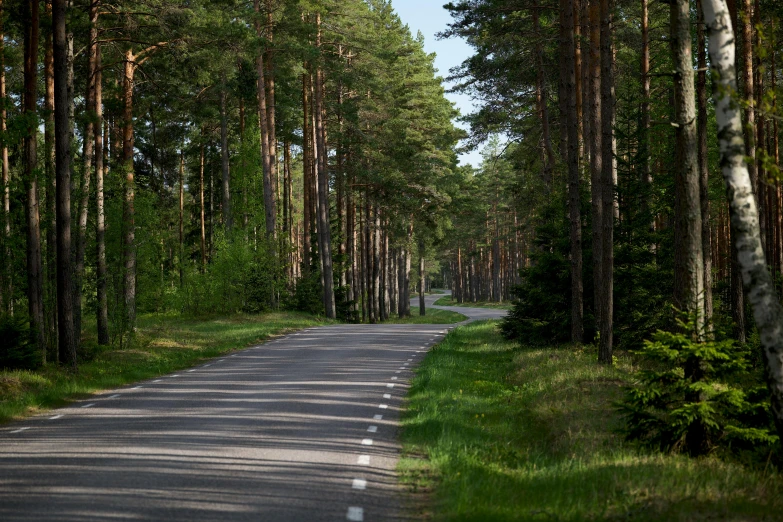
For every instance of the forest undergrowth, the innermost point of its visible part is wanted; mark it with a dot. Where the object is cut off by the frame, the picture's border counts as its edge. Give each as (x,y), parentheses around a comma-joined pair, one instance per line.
(499,431)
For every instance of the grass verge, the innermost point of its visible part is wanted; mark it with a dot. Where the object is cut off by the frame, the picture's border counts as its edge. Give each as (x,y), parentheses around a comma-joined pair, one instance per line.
(494,431)
(448,301)
(163,344)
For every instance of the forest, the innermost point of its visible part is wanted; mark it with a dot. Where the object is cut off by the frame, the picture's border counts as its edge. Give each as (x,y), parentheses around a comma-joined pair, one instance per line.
(210,157)
(638,189)
(215,157)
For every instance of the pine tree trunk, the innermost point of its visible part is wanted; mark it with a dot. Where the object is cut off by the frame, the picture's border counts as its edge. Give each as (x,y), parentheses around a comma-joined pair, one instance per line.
(596,157)
(703,163)
(644,143)
(756,278)
(6,277)
(102,310)
(228,221)
(567,55)
(129,213)
(270,210)
(306,170)
(608,175)
(88,151)
(324,228)
(182,216)
(34,265)
(376,264)
(688,253)
(541,102)
(422,277)
(201,205)
(68,339)
(49,205)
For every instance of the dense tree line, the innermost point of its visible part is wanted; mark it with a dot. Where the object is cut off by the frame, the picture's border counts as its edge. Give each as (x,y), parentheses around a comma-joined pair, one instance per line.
(616,213)
(214,156)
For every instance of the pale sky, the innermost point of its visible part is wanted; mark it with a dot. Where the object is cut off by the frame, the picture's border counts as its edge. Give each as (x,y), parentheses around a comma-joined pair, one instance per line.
(429,17)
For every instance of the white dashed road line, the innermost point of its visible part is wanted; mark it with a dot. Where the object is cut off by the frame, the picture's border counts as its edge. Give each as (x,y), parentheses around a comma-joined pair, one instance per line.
(372,429)
(387,395)
(355,514)
(55,417)
(114,396)
(377,417)
(364,460)
(20,430)
(390,385)
(383,406)
(366,442)
(359,484)
(88,405)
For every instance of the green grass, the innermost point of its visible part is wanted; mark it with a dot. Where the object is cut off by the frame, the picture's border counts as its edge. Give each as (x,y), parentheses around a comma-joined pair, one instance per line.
(447,301)
(496,432)
(163,344)
(431,316)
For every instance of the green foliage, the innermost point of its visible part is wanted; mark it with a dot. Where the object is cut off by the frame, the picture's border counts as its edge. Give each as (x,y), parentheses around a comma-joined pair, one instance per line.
(308,295)
(698,396)
(18,351)
(239,278)
(541,312)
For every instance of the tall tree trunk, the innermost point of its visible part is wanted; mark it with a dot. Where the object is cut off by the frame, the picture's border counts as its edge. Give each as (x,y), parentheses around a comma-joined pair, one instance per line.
(287,210)
(7,276)
(306,170)
(102,310)
(703,163)
(422,277)
(49,205)
(608,175)
(228,221)
(68,339)
(88,150)
(270,209)
(201,204)
(324,229)
(567,53)
(376,264)
(688,253)
(756,277)
(34,265)
(269,78)
(129,211)
(596,157)
(644,143)
(181,215)
(541,102)
(748,92)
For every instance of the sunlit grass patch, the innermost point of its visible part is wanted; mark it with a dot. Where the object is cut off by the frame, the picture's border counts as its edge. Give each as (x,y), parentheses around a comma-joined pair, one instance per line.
(502,432)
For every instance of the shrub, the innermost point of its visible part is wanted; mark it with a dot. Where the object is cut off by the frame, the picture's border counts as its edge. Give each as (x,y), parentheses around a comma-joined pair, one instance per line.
(17,349)
(698,396)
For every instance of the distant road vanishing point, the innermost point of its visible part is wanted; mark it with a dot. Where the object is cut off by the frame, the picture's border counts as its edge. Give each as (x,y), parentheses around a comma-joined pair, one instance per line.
(302,428)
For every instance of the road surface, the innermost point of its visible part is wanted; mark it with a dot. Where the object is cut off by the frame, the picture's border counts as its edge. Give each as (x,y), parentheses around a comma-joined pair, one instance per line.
(302,428)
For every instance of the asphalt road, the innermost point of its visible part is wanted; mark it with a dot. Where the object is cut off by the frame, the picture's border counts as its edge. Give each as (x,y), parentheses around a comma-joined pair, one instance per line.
(303,428)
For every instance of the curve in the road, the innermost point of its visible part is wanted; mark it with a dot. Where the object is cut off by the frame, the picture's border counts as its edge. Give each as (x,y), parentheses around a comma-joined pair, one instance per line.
(303,428)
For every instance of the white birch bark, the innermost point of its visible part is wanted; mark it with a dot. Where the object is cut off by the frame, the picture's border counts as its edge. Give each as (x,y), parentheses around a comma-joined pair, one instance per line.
(756,278)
